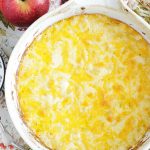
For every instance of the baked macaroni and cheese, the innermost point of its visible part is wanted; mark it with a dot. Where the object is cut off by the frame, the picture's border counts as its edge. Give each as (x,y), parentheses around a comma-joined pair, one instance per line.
(84,84)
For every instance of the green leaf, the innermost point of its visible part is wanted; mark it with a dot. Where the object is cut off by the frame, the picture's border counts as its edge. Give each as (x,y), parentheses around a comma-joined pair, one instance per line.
(2,32)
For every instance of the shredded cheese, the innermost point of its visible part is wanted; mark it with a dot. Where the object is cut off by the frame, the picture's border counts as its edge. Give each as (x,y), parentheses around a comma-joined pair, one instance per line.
(84,84)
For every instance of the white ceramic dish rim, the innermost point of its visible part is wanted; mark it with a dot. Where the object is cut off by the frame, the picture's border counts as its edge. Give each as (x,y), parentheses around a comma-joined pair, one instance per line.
(2,72)
(124,3)
(73,7)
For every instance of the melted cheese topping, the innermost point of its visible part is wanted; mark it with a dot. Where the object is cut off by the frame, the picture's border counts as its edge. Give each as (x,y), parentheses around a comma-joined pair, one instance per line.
(84,84)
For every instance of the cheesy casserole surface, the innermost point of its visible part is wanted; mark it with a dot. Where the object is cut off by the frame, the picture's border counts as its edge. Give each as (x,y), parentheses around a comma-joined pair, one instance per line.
(84,84)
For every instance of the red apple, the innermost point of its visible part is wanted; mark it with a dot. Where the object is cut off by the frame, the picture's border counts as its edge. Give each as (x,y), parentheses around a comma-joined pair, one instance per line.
(22,13)
(0,5)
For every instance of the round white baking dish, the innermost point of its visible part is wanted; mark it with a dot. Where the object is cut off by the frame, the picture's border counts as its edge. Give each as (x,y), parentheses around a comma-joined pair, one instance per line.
(71,8)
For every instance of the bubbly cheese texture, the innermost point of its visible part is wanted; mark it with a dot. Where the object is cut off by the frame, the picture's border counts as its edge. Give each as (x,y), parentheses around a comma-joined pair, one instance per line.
(84,84)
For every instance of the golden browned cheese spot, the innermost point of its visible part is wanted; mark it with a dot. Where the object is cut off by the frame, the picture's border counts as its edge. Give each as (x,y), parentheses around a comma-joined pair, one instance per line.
(84,84)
